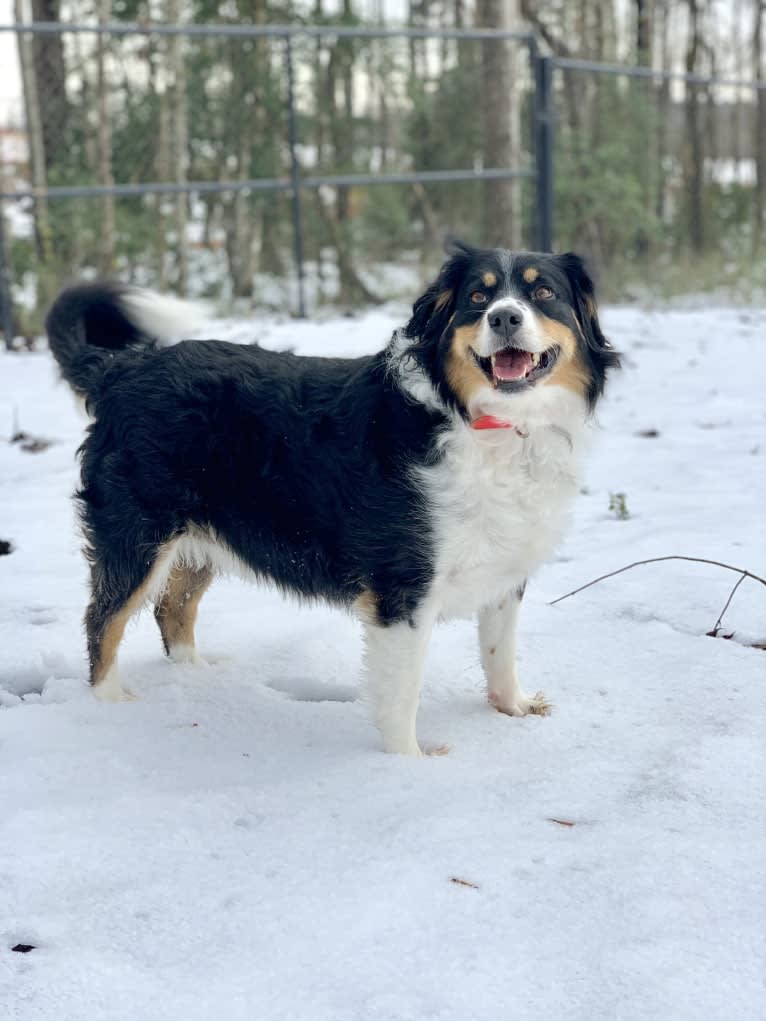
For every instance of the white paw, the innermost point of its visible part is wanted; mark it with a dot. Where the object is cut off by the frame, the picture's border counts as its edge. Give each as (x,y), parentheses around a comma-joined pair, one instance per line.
(113,693)
(521,705)
(186,654)
(109,689)
(413,748)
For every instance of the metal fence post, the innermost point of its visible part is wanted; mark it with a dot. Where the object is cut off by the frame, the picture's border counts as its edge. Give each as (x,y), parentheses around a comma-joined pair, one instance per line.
(543,120)
(295,175)
(7,318)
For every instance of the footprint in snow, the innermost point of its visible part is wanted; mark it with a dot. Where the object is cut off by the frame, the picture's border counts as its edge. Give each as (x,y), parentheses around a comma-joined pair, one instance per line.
(304,689)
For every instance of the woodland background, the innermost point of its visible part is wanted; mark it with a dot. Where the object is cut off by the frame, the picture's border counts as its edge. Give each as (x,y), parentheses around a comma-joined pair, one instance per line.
(660,183)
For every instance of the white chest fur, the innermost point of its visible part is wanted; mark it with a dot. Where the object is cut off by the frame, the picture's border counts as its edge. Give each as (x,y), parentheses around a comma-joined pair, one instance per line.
(500,504)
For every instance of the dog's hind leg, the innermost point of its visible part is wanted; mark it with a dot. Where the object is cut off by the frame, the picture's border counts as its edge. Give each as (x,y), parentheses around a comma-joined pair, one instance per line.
(176,610)
(120,585)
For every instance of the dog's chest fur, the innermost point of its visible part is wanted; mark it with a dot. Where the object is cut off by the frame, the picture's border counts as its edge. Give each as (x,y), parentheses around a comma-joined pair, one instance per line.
(500,505)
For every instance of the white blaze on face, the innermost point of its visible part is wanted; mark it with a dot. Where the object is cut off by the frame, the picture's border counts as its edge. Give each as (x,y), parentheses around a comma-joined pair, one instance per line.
(528,337)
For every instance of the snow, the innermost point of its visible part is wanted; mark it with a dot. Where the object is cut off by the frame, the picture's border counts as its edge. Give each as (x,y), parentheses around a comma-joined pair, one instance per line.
(236,845)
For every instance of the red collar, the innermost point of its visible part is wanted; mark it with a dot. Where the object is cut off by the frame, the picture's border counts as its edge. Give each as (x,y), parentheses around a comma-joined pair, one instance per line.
(490,422)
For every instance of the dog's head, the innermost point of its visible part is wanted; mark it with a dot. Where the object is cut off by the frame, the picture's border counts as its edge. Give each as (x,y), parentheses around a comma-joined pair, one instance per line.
(496,325)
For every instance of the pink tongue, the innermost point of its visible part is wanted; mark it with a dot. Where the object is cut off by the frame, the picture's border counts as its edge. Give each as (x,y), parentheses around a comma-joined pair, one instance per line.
(512,364)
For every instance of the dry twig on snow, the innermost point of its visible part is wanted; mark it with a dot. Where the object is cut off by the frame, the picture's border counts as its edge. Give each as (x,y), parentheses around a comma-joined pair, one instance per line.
(656,560)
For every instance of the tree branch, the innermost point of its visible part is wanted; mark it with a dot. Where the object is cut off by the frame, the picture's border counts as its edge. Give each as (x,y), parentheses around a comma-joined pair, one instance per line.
(657,560)
(716,627)
(558,46)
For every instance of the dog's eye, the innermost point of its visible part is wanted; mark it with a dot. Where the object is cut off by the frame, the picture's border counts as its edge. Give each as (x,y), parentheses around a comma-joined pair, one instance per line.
(543,294)
(478,297)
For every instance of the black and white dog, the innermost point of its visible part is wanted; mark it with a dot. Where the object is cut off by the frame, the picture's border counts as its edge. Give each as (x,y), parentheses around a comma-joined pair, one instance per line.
(423,482)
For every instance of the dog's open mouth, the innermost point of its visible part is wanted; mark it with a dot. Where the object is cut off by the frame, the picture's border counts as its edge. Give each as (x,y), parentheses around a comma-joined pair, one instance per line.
(513,368)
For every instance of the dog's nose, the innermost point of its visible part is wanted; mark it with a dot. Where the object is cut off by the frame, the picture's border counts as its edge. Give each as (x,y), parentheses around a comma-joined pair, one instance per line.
(505,322)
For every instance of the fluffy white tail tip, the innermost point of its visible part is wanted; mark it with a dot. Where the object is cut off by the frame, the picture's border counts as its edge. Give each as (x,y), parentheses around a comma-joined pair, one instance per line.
(163,317)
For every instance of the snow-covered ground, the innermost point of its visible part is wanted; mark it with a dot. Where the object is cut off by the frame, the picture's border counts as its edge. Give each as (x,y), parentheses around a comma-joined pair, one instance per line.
(235,845)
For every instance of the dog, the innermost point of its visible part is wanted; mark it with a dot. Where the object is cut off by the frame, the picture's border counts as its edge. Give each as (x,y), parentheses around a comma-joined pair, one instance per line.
(424,482)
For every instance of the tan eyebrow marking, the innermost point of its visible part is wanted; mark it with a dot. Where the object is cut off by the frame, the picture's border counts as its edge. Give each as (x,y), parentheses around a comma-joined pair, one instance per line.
(489,279)
(531,274)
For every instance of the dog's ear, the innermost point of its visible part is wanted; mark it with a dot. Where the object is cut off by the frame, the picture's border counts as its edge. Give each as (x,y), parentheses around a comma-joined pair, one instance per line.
(454,246)
(431,312)
(585,305)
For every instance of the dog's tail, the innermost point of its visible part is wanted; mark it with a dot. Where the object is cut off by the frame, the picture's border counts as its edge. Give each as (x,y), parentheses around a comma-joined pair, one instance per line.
(90,324)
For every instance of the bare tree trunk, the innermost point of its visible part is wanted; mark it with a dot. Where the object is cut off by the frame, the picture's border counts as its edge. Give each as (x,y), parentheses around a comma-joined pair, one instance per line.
(501,206)
(573,81)
(162,157)
(693,143)
(104,134)
(663,110)
(322,101)
(760,127)
(43,237)
(270,256)
(340,72)
(239,231)
(352,288)
(415,19)
(644,32)
(50,73)
(597,34)
(430,219)
(738,46)
(179,144)
(344,135)
(7,313)
(644,91)
(574,98)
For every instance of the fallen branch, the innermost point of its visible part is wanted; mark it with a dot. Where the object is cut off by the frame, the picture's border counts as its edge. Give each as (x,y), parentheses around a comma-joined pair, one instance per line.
(656,560)
(713,633)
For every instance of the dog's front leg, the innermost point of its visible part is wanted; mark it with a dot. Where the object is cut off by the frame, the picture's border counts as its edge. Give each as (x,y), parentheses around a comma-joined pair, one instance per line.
(394,659)
(498,624)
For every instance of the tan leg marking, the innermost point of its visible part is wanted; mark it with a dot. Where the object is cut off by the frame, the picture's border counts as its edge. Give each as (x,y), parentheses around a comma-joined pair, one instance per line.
(176,611)
(104,669)
(365,606)
(113,632)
